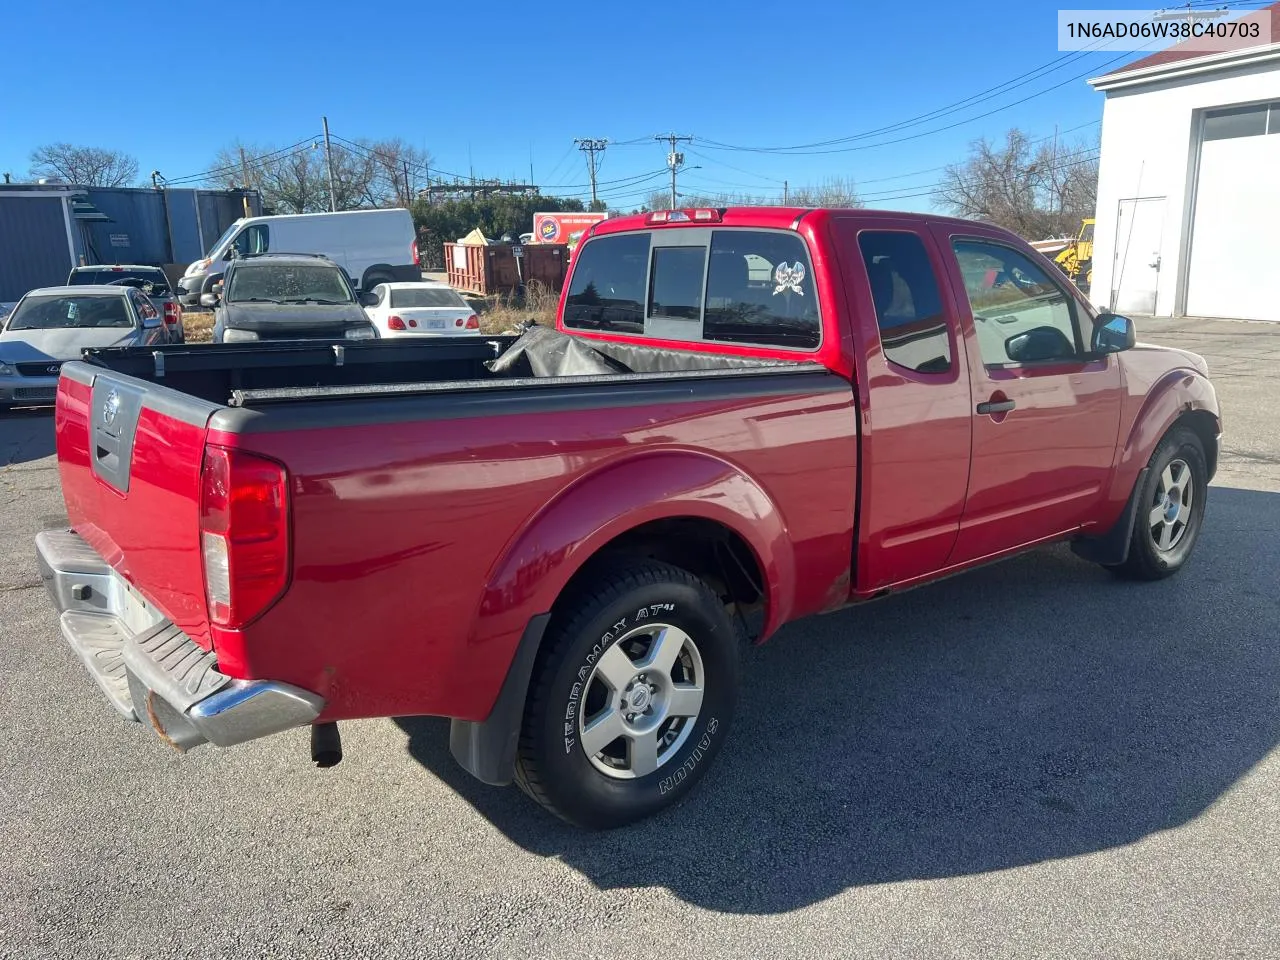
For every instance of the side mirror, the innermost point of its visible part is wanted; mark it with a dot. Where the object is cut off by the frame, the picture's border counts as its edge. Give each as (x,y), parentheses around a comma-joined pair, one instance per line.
(1039,344)
(368,298)
(1112,333)
(208,300)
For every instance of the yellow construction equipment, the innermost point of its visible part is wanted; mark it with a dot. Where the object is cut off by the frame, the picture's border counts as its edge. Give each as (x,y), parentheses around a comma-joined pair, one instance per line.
(1076,259)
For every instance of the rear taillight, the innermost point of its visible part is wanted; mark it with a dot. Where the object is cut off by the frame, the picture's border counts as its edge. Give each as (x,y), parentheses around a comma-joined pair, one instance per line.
(473,322)
(395,323)
(244,534)
(172,313)
(413,252)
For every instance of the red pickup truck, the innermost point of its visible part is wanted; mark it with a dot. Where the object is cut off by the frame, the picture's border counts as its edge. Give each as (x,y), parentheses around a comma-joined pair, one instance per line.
(560,539)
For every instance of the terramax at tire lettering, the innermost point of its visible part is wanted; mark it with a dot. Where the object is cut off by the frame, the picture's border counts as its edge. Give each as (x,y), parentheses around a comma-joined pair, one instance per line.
(632,695)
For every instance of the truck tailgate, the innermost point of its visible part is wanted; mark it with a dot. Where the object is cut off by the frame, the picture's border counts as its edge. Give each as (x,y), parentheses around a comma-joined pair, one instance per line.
(129,455)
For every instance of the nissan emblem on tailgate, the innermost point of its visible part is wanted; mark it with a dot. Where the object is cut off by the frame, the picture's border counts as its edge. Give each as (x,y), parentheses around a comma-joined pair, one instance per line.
(110,408)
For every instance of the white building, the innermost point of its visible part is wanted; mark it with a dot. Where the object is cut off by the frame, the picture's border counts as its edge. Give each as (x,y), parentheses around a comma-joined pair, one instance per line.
(1188,219)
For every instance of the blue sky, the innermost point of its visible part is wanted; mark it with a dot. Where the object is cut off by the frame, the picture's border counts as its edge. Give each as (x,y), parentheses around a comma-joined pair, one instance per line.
(490,86)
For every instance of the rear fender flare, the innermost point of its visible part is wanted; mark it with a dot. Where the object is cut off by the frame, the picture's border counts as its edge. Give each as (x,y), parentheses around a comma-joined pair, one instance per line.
(618,497)
(566,534)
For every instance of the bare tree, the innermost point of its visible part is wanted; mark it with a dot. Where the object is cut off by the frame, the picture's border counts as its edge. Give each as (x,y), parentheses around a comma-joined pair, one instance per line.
(1036,193)
(658,200)
(365,174)
(391,158)
(831,192)
(88,166)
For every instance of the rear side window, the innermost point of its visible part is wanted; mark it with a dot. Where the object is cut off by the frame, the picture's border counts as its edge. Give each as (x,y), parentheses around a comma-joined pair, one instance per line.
(734,286)
(904,288)
(608,292)
(760,290)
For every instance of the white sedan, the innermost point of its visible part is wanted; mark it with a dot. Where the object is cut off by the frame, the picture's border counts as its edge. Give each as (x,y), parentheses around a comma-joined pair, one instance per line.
(424,309)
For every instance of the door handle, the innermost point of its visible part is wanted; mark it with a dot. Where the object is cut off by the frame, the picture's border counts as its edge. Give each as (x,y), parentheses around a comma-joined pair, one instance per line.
(996,406)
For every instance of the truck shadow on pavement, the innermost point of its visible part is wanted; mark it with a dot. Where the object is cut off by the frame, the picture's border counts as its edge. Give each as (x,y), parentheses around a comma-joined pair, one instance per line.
(26,434)
(1030,711)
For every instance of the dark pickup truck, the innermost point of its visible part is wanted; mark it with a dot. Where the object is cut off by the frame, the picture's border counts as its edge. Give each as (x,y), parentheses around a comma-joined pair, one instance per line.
(559,540)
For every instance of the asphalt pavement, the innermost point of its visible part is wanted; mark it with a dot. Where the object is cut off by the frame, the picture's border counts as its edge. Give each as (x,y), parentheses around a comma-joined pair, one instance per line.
(1031,760)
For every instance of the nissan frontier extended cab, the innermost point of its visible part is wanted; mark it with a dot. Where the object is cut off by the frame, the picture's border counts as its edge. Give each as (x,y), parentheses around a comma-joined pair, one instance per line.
(559,539)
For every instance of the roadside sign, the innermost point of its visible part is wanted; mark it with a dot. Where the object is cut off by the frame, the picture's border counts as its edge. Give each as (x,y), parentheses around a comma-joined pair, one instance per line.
(517,251)
(566,228)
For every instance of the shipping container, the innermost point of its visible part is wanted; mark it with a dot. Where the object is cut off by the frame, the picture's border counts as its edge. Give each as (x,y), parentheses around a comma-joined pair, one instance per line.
(491,269)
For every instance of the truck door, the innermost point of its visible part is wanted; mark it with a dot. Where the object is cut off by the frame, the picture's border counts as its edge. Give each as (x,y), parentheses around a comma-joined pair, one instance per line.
(914,396)
(1046,413)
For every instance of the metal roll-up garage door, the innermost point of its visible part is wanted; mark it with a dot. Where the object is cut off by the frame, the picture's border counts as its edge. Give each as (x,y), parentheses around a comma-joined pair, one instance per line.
(1235,232)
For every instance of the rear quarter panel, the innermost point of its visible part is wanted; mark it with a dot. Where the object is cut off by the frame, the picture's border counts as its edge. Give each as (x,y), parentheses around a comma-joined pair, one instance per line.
(426,533)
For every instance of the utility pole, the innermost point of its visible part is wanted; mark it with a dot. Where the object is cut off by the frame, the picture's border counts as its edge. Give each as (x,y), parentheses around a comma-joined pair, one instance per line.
(408,190)
(328,160)
(785,192)
(674,160)
(244,169)
(590,148)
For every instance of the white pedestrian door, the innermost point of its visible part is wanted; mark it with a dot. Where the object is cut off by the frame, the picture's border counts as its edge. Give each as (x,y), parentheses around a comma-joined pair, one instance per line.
(1136,272)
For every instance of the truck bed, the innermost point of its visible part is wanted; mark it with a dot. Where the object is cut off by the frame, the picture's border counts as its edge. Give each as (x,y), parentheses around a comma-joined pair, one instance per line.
(248,374)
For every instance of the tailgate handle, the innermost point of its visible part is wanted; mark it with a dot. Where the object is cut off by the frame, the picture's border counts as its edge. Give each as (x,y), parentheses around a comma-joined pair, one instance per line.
(113,425)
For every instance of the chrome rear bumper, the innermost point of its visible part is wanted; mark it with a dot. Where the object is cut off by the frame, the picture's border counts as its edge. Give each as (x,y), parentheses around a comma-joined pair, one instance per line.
(149,668)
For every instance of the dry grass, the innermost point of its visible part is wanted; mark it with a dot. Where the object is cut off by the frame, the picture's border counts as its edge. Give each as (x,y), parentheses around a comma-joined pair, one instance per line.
(503,313)
(197,326)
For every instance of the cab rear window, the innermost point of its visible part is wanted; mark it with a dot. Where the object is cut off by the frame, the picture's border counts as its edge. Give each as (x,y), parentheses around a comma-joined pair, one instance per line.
(727,285)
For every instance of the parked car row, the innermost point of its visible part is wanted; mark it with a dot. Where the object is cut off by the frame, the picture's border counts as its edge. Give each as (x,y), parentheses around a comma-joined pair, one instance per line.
(351,276)
(279,296)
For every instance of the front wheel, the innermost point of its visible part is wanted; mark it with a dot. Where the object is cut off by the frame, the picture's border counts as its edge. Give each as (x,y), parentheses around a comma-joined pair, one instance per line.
(1170,508)
(631,698)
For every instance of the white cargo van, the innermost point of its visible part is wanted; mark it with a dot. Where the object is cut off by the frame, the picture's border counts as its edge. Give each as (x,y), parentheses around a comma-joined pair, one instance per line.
(373,246)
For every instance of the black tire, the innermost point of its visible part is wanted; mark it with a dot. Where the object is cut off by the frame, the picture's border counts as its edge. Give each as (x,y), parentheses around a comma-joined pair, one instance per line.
(613,609)
(1147,559)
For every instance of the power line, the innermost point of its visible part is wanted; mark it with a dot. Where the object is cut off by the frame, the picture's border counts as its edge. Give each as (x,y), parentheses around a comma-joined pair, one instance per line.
(560,163)
(308,143)
(941,187)
(981,96)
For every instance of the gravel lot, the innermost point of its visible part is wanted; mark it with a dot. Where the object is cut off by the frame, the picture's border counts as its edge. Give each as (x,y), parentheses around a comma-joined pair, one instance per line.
(1029,760)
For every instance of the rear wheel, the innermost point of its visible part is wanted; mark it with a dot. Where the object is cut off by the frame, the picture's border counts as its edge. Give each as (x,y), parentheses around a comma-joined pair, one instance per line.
(631,697)
(1170,508)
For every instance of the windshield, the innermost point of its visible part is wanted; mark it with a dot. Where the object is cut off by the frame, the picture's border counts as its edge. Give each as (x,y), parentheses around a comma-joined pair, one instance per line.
(288,283)
(217,244)
(47,313)
(425,297)
(122,277)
